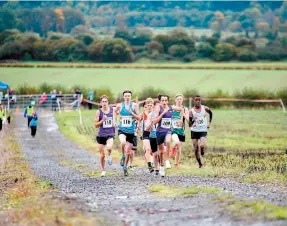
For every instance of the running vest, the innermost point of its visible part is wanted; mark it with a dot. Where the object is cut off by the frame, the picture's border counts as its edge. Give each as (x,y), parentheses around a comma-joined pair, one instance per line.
(127,124)
(175,119)
(30,111)
(200,121)
(164,125)
(107,128)
(145,116)
(153,128)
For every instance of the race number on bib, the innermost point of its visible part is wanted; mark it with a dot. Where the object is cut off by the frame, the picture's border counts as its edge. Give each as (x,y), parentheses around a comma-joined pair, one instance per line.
(127,121)
(200,122)
(166,123)
(108,123)
(175,123)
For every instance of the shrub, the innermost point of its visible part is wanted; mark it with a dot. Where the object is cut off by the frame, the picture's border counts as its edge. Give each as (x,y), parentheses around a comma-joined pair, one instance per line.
(189,57)
(104,91)
(205,50)
(224,52)
(150,92)
(154,45)
(85,38)
(177,50)
(247,55)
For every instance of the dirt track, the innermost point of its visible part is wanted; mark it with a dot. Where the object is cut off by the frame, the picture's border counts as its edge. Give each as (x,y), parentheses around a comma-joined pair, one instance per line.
(125,199)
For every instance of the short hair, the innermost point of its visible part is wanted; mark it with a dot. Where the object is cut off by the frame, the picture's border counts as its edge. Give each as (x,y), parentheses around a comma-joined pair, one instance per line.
(149,100)
(104,96)
(197,96)
(163,95)
(127,91)
(179,95)
(156,102)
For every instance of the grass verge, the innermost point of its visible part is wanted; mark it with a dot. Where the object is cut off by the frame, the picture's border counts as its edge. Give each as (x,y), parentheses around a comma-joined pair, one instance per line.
(168,191)
(25,200)
(253,208)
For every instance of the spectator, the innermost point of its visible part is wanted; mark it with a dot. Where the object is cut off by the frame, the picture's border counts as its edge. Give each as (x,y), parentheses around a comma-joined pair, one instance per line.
(90,98)
(28,113)
(59,98)
(43,99)
(34,124)
(54,100)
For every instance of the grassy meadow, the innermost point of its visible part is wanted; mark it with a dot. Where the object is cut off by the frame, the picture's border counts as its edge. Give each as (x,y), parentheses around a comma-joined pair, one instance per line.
(246,144)
(173,80)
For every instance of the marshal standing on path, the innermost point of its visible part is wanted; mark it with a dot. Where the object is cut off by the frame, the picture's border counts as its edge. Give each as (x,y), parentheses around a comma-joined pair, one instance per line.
(199,126)
(128,114)
(106,124)
(28,113)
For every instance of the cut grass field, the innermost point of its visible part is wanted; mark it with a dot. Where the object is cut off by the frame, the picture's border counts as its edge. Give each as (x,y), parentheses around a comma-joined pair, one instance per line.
(174,80)
(243,144)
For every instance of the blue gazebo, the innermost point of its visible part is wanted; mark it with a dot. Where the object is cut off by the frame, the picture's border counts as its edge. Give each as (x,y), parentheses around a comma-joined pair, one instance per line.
(5,86)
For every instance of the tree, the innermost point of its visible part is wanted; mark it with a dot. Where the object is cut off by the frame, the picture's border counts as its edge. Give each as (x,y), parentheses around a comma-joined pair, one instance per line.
(60,19)
(247,55)
(72,18)
(154,46)
(262,27)
(235,26)
(7,19)
(205,50)
(178,50)
(224,52)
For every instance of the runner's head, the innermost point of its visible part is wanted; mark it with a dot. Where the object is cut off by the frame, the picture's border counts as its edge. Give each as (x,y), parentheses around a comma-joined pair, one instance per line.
(197,101)
(179,100)
(104,100)
(127,94)
(163,98)
(149,103)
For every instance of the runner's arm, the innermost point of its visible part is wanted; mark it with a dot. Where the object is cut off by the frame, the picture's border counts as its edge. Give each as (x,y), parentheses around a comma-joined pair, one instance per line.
(207,109)
(186,115)
(136,114)
(97,122)
(191,119)
(148,123)
(157,117)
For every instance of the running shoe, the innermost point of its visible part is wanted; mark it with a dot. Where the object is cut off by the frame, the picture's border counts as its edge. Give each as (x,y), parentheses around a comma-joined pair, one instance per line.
(110,160)
(126,171)
(151,169)
(131,168)
(201,166)
(156,172)
(167,164)
(123,160)
(161,171)
(103,174)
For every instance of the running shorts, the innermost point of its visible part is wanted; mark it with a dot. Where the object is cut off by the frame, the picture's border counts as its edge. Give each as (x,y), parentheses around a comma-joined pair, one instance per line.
(180,137)
(153,144)
(103,140)
(160,137)
(198,135)
(146,135)
(129,136)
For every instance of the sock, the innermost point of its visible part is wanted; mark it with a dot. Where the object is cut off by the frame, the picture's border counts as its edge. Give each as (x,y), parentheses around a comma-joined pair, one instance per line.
(149,164)
(125,167)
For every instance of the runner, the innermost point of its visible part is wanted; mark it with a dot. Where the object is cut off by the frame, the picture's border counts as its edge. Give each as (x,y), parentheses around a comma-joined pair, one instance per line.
(178,127)
(106,124)
(163,114)
(147,127)
(28,113)
(198,122)
(128,114)
(134,147)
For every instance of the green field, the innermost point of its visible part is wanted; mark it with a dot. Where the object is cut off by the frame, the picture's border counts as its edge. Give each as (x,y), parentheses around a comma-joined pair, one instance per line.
(247,144)
(171,80)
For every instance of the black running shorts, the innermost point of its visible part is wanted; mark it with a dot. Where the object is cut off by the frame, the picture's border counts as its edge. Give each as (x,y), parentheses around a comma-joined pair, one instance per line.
(146,135)
(129,136)
(103,140)
(198,135)
(153,144)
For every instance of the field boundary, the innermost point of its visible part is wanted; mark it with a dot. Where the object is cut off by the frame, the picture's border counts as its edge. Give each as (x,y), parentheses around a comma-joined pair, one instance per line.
(263,66)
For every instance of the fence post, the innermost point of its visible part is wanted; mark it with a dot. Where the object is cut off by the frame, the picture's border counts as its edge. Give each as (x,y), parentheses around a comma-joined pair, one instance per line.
(283,107)
(79,109)
(189,102)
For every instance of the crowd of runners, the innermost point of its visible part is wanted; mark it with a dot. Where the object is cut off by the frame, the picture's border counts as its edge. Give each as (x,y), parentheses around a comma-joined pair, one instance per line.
(160,125)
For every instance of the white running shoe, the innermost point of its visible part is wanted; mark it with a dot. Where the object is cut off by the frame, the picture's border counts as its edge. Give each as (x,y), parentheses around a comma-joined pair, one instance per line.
(103,174)
(110,160)
(167,164)
(161,171)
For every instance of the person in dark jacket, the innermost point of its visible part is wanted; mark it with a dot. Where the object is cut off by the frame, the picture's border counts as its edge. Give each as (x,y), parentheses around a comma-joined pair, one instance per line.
(34,124)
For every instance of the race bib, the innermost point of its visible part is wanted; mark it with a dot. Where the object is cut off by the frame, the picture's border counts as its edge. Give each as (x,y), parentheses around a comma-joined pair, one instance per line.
(127,121)
(166,123)
(175,123)
(108,123)
(200,122)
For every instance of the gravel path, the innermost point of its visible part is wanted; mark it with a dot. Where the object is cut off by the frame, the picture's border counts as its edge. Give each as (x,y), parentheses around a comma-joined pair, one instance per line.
(126,199)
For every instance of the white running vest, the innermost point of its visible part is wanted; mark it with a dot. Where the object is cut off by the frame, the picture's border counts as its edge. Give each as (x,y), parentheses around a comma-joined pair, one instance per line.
(200,121)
